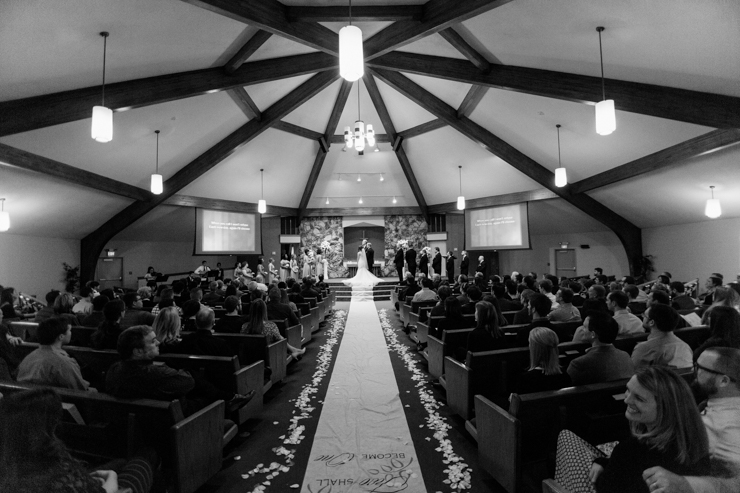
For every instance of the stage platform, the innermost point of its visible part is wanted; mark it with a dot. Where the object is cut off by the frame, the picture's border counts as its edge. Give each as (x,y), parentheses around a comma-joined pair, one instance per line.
(381,292)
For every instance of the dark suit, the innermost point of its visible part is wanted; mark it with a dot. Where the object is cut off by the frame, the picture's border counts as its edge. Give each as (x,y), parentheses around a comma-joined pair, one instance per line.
(370,254)
(482,268)
(465,265)
(424,264)
(411,260)
(279,311)
(437,263)
(450,265)
(399,264)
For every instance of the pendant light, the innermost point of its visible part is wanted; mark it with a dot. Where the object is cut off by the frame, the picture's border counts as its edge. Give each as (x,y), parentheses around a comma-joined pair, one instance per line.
(360,200)
(262,204)
(327,201)
(460,199)
(156,177)
(713,210)
(4,217)
(351,58)
(606,119)
(394,199)
(361,134)
(561,179)
(102,117)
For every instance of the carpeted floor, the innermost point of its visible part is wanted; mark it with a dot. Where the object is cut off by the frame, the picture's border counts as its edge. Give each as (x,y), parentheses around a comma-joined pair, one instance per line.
(263,459)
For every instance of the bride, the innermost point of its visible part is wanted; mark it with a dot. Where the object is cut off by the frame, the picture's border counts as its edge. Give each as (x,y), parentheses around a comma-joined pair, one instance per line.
(363,277)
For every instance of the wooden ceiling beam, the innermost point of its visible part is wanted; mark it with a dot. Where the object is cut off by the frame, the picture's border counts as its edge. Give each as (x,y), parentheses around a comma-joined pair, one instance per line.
(360,13)
(23,115)
(380,138)
(629,234)
(297,130)
(245,103)
(471,101)
(496,200)
(92,244)
(272,16)
(60,171)
(422,129)
(246,51)
(385,119)
(703,144)
(438,15)
(363,211)
(324,145)
(457,41)
(700,108)
(226,205)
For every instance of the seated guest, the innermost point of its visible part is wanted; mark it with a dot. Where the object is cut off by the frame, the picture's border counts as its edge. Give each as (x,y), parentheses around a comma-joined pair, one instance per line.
(34,459)
(713,281)
(596,299)
(722,296)
(47,311)
(460,285)
(83,307)
(50,364)
(189,310)
(576,287)
(166,294)
(136,376)
(134,315)
(145,293)
(480,281)
(661,297)
(487,336)
(523,316)
(666,430)
(202,341)
(629,324)
(321,284)
(565,312)
(295,294)
(583,333)
(276,310)
(635,306)
(511,291)
(192,281)
(178,288)
(426,293)
(474,295)
(443,293)
(663,347)
(546,288)
(63,307)
(679,299)
(231,322)
(504,301)
(106,337)
(724,330)
(308,291)
(213,296)
(539,308)
(489,298)
(286,301)
(602,362)
(8,299)
(96,317)
(436,281)
(196,294)
(258,324)
(166,328)
(544,371)
(453,320)
(411,287)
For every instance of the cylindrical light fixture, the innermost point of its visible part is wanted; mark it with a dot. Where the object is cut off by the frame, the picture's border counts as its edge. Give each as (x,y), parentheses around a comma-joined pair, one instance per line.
(381,177)
(561,178)
(102,117)
(4,217)
(157,186)
(359,178)
(460,198)
(327,201)
(606,118)
(394,199)
(712,210)
(351,58)
(360,135)
(262,204)
(360,200)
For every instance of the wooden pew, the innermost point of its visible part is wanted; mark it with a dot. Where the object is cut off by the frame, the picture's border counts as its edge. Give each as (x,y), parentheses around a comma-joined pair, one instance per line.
(191,447)
(509,316)
(292,334)
(437,349)
(419,313)
(24,330)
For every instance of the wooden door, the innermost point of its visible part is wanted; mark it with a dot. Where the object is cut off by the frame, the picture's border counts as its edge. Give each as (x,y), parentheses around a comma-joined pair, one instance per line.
(565,263)
(110,272)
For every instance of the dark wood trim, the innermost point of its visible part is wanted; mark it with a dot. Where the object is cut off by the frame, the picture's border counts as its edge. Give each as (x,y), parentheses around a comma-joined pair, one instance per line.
(457,41)
(360,13)
(318,163)
(700,108)
(297,130)
(438,15)
(55,169)
(247,50)
(629,234)
(92,244)
(403,160)
(703,144)
(380,138)
(226,205)
(471,101)
(506,199)
(363,211)
(23,115)
(245,102)
(272,16)
(336,111)
(422,129)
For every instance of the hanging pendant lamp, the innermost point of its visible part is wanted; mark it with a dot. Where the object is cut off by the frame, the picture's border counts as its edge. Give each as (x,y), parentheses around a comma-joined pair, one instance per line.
(102,117)
(351,58)
(4,217)
(460,198)
(713,210)
(606,119)
(361,135)
(262,204)
(561,178)
(157,186)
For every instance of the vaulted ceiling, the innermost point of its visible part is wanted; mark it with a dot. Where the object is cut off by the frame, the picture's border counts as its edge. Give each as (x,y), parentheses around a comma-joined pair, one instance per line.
(239,86)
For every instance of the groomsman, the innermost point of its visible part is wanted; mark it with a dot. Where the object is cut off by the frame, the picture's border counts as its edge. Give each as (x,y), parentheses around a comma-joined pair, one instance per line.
(437,261)
(399,264)
(481,266)
(450,265)
(464,263)
(411,260)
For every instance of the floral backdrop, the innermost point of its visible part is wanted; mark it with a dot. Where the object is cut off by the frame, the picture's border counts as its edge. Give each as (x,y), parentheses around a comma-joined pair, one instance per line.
(317,230)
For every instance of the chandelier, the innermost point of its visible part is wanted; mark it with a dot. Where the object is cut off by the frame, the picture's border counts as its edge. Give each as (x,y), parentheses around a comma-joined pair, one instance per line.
(362,135)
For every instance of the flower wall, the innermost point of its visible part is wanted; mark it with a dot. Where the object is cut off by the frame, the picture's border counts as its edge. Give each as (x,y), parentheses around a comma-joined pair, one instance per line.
(317,230)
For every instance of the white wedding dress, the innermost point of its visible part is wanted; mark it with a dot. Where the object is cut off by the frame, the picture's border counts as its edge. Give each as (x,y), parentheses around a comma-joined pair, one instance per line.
(363,277)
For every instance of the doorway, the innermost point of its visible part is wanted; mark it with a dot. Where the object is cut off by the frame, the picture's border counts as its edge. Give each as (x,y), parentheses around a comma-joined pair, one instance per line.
(110,272)
(565,263)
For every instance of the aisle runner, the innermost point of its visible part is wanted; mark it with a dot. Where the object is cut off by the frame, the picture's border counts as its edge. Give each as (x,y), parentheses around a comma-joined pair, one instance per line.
(363,443)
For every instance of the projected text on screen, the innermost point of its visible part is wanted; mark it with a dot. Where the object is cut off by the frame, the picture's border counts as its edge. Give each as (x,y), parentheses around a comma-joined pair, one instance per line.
(222,231)
(498,227)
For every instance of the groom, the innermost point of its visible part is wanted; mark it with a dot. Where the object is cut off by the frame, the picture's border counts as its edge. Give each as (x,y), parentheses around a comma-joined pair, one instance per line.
(370,255)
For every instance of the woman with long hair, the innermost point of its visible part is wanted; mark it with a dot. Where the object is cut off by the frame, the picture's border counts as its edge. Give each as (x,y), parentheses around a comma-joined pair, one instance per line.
(666,431)
(33,459)
(544,372)
(167,326)
(308,261)
(272,273)
(259,324)
(319,263)
(724,329)
(723,296)
(487,335)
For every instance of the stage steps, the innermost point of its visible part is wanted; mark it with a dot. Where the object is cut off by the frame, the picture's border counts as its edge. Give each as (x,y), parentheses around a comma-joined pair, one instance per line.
(381,292)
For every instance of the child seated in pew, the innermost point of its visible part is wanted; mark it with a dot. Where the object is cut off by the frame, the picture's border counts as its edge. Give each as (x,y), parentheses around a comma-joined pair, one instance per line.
(33,459)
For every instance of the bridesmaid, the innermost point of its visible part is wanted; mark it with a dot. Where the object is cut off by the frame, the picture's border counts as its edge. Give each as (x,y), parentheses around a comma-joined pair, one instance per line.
(272,273)
(261,270)
(307,263)
(319,263)
(284,268)
(294,267)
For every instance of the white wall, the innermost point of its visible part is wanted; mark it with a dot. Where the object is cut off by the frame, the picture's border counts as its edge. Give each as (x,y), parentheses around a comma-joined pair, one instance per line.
(695,250)
(33,265)
(606,251)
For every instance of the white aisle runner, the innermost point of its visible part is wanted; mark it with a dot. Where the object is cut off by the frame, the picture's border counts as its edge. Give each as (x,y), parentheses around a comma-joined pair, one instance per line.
(362,442)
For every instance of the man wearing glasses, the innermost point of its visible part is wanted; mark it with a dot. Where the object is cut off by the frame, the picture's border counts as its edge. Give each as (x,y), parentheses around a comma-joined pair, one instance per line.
(718,375)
